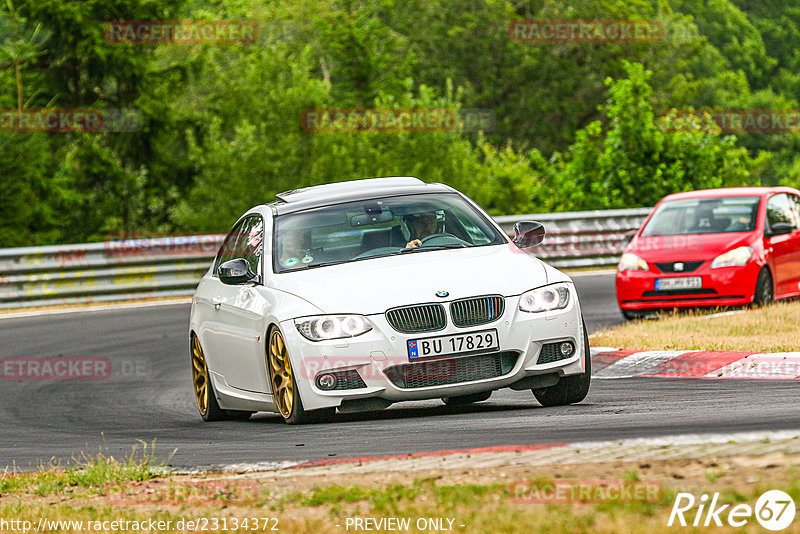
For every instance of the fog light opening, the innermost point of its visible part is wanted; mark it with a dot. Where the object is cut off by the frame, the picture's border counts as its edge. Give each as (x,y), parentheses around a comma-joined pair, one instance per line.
(326,381)
(567,349)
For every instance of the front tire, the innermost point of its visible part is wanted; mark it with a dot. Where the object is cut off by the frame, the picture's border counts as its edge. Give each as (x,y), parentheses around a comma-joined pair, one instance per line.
(204,393)
(284,386)
(765,293)
(570,389)
(461,400)
(631,315)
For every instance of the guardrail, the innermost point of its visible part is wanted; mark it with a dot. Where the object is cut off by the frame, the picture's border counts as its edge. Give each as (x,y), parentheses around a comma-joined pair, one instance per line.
(114,270)
(172,266)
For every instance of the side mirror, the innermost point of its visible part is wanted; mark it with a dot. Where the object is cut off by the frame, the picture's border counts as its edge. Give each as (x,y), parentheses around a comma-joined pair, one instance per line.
(780,228)
(528,233)
(628,236)
(236,272)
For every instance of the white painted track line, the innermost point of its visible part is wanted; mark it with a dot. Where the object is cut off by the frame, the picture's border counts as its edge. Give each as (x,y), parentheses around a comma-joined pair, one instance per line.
(96,308)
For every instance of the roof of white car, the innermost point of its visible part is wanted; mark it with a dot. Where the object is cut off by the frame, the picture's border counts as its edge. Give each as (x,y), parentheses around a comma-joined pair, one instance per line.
(354,190)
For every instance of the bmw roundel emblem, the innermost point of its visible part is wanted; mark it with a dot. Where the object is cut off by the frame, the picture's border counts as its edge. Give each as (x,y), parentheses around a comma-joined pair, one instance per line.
(442,294)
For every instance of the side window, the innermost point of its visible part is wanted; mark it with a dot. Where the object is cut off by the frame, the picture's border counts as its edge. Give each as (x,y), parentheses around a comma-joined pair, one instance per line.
(227,250)
(796,202)
(249,245)
(245,241)
(780,210)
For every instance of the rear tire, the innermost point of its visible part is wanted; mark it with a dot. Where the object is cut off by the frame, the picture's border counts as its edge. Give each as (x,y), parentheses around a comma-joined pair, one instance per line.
(461,400)
(284,386)
(204,392)
(765,292)
(570,389)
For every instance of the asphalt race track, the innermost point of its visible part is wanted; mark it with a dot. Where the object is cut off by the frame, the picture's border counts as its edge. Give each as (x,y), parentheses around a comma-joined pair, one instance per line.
(149,397)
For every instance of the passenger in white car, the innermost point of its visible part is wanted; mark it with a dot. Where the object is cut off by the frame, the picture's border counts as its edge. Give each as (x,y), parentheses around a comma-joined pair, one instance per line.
(295,248)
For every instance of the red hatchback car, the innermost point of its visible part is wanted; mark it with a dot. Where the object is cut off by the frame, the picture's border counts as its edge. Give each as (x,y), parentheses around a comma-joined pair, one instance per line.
(718,247)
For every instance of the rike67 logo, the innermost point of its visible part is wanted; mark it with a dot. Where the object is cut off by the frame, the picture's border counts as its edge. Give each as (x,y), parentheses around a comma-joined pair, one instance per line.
(774,510)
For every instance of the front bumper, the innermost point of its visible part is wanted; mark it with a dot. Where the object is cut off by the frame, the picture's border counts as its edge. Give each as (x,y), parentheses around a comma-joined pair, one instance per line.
(383,349)
(725,286)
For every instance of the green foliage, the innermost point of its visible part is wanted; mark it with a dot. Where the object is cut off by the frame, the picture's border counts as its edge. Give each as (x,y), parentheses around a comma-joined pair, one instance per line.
(633,161)
(577,124)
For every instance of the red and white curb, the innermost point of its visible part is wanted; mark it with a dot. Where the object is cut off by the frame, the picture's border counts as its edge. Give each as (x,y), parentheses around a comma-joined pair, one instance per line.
(609,363)
(625,450)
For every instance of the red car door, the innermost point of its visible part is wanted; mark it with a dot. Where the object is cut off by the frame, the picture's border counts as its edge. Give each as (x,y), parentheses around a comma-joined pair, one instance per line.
(784,248)
(795,246)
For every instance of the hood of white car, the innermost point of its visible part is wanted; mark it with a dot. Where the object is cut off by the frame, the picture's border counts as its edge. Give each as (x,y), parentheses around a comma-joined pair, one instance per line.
(377,284)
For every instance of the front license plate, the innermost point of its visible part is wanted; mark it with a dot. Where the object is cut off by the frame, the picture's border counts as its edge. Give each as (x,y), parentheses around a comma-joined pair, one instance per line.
(686,282)
(430,347)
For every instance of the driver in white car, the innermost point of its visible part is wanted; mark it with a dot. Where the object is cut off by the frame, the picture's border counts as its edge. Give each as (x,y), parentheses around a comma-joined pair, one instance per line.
(421,226)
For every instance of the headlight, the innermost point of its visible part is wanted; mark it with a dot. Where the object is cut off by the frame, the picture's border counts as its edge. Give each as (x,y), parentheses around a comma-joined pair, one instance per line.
(632,262)
(332,326)
(732,258)
(554,297)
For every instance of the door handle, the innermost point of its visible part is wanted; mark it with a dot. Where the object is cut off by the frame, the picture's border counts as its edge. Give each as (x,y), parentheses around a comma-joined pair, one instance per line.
(216,302)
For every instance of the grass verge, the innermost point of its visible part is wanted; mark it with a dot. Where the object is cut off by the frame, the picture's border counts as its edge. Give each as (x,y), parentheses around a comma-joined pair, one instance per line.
(772,328)
(468,500)
(85,475)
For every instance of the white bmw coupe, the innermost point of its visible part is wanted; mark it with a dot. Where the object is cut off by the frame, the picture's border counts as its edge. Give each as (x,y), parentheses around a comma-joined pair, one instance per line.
(356,295)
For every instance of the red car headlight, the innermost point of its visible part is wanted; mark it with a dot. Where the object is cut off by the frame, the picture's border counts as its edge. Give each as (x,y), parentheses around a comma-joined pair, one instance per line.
(732,258)
(632,262)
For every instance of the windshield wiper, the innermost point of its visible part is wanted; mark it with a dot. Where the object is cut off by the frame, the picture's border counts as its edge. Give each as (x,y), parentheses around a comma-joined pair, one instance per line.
(319,264)
(434,247)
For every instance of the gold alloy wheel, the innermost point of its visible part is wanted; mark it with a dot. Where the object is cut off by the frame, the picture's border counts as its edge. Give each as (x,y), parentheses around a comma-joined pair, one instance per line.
(280,374)
(200,376)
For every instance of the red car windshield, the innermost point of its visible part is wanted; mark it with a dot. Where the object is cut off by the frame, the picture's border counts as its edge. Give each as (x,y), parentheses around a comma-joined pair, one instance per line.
(704,216)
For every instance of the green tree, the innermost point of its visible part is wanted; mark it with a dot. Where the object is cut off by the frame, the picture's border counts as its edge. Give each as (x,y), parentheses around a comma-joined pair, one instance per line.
(630,161)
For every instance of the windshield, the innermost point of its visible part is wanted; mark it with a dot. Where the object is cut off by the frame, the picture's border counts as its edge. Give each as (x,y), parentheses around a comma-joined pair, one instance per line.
(704,216)
(378,227)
